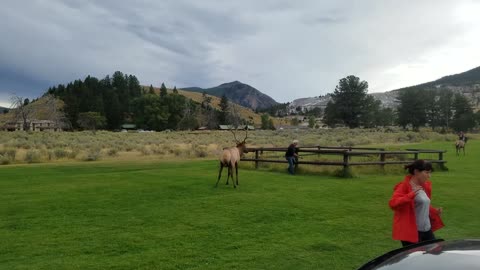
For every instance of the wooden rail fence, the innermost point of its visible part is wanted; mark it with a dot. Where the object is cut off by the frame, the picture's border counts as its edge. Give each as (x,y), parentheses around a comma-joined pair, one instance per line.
(347,153)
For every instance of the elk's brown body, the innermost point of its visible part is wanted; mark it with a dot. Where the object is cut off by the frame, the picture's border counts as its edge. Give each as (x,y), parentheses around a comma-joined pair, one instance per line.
(460,145)
(230,158)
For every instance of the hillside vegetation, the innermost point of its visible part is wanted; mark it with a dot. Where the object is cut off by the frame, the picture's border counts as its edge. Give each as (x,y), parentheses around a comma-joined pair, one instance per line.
(245,113)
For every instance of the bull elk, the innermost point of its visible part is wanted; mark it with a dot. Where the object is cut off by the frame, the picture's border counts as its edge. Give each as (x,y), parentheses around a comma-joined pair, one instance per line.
(230,158)
(460,145)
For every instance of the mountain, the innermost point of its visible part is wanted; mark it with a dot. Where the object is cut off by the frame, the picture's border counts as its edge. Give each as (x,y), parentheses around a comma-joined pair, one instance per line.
(239,93)
(2,109)
(467,83)
(465,79)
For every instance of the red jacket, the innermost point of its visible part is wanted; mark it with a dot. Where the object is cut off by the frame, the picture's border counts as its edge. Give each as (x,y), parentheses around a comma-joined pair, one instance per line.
(402,203)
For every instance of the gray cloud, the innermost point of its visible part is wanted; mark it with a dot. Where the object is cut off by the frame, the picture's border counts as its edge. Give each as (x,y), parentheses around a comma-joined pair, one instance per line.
(285,49)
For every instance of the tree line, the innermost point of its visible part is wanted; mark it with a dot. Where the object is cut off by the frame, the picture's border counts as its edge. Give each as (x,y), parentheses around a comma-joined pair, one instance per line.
(440,109)
(119,99)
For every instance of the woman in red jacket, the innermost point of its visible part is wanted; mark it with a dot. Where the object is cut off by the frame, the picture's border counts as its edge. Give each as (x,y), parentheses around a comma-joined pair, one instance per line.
(415,219)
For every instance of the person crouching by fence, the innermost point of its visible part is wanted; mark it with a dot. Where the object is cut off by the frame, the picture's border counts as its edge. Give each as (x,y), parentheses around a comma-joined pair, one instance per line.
(291,155)
(415,219)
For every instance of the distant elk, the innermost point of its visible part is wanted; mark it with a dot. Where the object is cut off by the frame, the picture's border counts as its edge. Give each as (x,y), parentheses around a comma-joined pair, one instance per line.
(460,145)
(230,158)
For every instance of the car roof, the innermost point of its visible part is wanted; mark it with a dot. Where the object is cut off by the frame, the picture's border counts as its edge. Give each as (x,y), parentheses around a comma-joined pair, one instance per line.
(435,254)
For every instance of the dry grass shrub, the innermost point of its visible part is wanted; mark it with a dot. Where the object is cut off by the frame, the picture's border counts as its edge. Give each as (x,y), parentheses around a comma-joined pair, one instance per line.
(93,154)
(9,153)
(112,152)
(4,160)
(33,156)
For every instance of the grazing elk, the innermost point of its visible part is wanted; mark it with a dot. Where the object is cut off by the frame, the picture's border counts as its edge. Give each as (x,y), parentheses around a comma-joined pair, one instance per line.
(460,145)
(230,158)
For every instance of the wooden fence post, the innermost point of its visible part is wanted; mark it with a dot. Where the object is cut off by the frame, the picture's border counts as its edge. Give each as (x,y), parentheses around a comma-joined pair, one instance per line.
(440,158)
(415,156)
(382,159)
(256,159)
(296,163)
(346,157)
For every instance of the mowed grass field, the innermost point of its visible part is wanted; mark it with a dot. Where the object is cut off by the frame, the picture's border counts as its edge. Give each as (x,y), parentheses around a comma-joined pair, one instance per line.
(168,215)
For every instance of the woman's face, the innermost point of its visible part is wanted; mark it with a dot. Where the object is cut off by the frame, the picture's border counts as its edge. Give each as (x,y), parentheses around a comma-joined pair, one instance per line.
(423,176)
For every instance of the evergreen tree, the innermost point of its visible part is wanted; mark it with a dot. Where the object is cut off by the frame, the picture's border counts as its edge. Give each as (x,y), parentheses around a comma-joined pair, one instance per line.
(386,117)
(163,90)
(445,107)
(224,106)
(330,116)
(432,108)
(120,86)
(135,90)
(267,122)
(151,91)
(91,121)
(412,109)
(349,100)
(176,106)
(370,111)
(175,91)
(112,110)
(464,118)
(150,112)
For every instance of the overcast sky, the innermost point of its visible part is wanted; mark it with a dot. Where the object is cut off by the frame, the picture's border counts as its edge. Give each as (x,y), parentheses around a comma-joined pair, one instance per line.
(286,49)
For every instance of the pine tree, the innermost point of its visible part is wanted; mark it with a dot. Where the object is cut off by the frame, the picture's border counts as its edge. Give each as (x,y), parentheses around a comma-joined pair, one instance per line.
(223,109)
(163,90)
(350,102)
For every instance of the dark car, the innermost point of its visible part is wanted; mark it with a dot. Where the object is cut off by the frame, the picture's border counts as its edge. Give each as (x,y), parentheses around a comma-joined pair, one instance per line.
(436,254)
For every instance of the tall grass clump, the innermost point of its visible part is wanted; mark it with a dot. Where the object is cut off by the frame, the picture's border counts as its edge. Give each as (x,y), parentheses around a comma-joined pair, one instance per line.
(112,152)
(4,160)
(60,153)
(158,149)
(33,156)
(93,154)
(200,150)
(145,150)
(9,153)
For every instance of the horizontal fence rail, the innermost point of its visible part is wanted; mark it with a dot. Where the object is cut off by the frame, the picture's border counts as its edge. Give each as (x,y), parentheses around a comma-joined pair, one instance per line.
(409,155)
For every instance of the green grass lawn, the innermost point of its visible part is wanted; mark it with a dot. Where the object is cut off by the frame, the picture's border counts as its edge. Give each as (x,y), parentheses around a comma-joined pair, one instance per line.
(169,216)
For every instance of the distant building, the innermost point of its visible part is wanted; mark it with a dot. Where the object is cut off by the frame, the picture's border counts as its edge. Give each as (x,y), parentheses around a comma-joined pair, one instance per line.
(32,125)
(232,127)
(129,127)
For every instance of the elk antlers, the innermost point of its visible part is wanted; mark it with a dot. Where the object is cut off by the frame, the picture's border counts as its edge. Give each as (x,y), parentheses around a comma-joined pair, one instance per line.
(235,137)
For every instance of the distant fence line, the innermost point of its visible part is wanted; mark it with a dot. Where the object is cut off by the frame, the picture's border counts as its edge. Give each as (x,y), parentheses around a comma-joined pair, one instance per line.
(347,153)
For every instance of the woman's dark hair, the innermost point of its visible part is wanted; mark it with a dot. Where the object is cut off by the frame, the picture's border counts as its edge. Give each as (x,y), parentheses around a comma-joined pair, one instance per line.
(420,165)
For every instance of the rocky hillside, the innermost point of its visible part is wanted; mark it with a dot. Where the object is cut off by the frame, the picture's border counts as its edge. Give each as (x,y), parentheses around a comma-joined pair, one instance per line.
(467,83)
(239,93)
(387,99)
